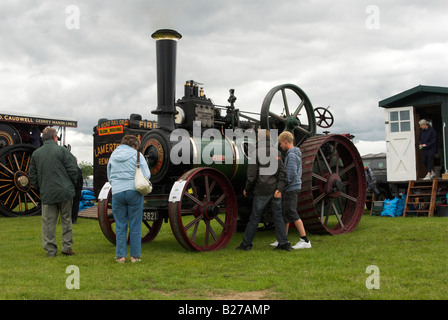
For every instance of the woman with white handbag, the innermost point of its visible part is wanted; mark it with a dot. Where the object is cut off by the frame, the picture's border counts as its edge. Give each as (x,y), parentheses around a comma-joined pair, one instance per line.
(127,201)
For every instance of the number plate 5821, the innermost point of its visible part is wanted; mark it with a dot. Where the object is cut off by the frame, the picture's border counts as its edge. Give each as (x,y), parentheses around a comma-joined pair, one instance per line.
(150,215)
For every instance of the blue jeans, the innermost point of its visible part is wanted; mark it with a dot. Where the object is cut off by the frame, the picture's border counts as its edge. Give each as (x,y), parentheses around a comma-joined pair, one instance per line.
(259,203)
(127,207)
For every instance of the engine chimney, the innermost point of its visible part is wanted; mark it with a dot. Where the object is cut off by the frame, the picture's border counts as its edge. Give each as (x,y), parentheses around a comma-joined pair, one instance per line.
(166,47)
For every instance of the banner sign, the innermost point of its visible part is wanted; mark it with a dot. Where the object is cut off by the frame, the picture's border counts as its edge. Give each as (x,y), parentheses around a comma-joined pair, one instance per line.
(110,130)
(35,120)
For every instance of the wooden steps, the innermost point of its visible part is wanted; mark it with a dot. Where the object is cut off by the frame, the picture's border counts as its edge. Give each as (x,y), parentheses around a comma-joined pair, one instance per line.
(421,197)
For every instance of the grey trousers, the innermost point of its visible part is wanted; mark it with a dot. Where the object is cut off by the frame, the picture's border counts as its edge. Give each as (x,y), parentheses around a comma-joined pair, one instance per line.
(50,214)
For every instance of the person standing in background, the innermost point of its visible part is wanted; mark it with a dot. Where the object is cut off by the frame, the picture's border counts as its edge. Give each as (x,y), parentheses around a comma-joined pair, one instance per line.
(428,144)
(53,170)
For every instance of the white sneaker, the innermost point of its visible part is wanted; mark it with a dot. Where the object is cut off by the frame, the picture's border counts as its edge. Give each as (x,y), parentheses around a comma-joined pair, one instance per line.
(427,177)
(302,245)
(433,175)
(274,244)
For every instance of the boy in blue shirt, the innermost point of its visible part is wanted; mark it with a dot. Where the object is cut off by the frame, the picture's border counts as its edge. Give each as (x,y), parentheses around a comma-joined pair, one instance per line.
(293,167)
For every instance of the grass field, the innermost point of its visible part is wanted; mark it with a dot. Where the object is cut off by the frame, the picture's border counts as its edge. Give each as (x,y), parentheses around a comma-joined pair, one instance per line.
(409,254)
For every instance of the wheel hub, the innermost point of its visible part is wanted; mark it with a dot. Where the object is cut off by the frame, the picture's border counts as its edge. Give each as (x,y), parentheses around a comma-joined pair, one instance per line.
(211,211)
(292,122)
(333,188)
(22,181)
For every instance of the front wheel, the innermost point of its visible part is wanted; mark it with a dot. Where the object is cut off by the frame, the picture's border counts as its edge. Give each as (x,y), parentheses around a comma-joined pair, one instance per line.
(203,210)
(106,219)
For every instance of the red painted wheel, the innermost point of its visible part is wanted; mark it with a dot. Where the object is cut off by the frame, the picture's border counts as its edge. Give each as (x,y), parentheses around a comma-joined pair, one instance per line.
(150,229)
(205,212)
(333,185)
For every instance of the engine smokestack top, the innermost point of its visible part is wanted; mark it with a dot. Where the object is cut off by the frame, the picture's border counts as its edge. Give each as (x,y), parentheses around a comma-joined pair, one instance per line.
(166,34)
(166,46)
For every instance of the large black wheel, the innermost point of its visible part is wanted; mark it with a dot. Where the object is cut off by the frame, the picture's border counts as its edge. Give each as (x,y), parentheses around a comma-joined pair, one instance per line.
(18,198)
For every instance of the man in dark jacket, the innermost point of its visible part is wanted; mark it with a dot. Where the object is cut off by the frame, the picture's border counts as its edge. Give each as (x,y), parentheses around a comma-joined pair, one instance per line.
(428,145)
(266,180)
(53,170)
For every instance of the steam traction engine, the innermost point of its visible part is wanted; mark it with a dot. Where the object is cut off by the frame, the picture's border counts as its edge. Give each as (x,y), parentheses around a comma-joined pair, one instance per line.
(19,137)
(201,196)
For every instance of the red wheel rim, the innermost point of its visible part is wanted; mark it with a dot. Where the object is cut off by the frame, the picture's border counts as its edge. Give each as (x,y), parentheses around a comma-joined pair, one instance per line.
(205,217)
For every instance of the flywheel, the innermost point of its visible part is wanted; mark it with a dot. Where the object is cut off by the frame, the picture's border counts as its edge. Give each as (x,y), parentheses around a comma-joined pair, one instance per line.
(287,107)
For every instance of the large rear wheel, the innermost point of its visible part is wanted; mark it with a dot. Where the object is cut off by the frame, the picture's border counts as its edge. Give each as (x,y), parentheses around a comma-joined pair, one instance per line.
(333,185)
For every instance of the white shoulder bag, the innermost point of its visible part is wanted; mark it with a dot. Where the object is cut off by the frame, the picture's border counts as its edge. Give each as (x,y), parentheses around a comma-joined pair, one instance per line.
(142,184)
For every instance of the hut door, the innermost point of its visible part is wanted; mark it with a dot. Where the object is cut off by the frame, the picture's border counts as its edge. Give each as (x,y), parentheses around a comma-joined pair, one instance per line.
(400,144)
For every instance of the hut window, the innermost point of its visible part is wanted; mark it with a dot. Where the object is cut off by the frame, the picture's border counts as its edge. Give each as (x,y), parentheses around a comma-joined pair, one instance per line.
(400,121)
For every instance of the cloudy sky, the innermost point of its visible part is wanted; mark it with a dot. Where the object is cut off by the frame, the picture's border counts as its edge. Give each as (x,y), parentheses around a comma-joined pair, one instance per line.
(95,59)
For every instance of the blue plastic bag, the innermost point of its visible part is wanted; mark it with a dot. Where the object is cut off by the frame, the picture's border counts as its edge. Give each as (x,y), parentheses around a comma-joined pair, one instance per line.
(394,207)
(400,206)
(390,207)
(86,199)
